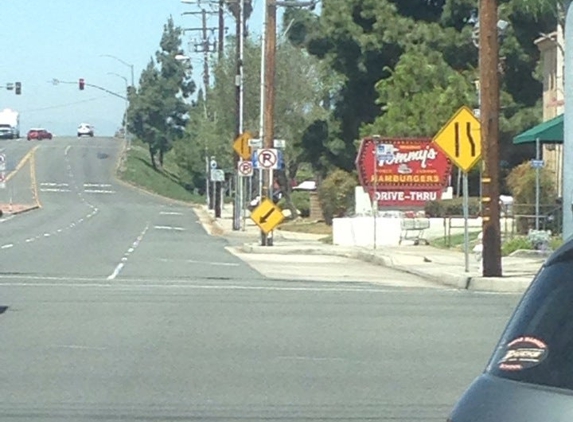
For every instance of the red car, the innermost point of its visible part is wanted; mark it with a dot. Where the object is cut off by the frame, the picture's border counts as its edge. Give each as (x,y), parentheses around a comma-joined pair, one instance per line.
(39,134)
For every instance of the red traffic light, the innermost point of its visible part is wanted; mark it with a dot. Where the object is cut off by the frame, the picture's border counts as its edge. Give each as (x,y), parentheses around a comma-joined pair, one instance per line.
(82,83)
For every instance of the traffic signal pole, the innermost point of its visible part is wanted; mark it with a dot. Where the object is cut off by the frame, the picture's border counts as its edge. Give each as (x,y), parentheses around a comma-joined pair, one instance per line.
(489,115)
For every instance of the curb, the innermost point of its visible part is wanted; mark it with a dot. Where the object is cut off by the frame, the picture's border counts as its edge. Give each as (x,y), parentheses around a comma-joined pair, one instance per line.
(461,282)
(209,224)
(34,207)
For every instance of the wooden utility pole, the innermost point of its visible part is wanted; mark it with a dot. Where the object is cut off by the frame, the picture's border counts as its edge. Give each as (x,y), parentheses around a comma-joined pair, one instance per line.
(204,46)
(221,28)
(270,72)
(269,96)
(489,114)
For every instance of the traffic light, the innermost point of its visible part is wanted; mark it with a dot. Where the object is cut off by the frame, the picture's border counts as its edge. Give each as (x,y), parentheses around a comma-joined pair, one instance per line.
(18,88)
(82,84)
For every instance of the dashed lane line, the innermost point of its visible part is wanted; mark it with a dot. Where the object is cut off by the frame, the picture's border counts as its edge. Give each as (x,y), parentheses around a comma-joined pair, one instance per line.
(127,253)
(180,229)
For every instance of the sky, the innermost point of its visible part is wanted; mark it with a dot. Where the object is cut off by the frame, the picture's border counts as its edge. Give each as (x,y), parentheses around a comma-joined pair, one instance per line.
(42,40)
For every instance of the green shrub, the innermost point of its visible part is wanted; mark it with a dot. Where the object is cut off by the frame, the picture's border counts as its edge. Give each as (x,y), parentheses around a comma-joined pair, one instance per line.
(451,207)
(336,194)
(515,244)
(521,183)
(301,201)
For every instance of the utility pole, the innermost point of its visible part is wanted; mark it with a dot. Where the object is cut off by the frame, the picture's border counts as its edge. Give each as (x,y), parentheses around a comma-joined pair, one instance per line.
(489,115)
(204,46)
(221,28)
(239,114)
(269,97)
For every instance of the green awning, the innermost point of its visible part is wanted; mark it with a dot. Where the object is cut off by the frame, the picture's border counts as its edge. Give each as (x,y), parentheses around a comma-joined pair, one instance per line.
(550,131)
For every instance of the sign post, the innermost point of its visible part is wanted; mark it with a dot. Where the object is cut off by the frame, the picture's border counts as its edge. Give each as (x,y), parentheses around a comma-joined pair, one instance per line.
(460,139)
(242,147)
(218,177)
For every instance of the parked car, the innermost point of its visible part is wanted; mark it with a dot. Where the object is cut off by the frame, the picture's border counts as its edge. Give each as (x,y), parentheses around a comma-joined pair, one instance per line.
(39,134)
(529,378)
(85,129)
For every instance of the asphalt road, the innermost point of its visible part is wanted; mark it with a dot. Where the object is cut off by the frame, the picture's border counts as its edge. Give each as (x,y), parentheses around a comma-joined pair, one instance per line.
(119,307)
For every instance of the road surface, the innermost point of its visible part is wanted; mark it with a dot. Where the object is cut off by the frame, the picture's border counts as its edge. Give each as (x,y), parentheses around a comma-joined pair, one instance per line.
(119,307)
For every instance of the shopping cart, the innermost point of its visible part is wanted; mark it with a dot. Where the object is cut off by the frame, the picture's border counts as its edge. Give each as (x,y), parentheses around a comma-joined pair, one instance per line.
(413,229)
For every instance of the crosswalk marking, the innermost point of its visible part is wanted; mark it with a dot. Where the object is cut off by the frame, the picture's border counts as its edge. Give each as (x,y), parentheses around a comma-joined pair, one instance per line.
(97,185)
(53,184)
(54,190)
(98,191)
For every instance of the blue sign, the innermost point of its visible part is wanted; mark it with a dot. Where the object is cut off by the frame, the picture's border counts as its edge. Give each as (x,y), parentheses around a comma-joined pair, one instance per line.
(384,152)
(537,164)
(256,165)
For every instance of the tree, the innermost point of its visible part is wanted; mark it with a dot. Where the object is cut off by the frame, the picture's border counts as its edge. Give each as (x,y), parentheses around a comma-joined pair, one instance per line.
(157,112)
(375,46)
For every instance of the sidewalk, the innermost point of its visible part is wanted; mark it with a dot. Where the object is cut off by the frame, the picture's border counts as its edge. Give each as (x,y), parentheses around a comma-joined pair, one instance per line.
(12,209)
(441,266)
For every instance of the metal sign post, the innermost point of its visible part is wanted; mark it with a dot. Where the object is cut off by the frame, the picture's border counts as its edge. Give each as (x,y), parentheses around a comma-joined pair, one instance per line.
(466,216)
(460,140)
(375,195)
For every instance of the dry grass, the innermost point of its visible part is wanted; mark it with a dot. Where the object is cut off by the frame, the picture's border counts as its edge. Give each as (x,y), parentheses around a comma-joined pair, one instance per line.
(307,226)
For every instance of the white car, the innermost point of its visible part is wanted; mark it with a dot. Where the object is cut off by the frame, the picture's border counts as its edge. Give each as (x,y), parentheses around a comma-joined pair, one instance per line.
(85,129)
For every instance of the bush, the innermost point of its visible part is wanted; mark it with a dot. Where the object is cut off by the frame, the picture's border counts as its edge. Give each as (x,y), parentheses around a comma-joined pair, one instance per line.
(300,200)
(336,194)
(515,244)
(451,207)
(521,184)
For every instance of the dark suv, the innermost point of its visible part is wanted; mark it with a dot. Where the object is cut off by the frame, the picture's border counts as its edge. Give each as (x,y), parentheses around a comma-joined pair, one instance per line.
(530,375)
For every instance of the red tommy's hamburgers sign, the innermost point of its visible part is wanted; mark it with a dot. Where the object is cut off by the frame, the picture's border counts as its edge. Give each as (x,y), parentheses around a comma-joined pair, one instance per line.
(405,172)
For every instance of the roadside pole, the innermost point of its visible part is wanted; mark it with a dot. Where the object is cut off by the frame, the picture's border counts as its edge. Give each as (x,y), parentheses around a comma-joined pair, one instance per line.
(460,140)
(466,216)
(537,170)
(375,194)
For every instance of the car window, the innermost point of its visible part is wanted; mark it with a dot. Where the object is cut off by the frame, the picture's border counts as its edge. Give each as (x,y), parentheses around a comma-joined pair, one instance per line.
(537,346)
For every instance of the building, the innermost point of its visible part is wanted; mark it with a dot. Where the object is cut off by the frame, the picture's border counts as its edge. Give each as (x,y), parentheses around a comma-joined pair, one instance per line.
(552,51)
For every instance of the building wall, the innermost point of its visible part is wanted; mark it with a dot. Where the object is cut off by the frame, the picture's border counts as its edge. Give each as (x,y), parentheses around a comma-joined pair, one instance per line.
(553,98)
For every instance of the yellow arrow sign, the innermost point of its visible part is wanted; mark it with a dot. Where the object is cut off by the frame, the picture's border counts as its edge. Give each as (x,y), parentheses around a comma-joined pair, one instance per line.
(267,215)
(460,139)
(241,146)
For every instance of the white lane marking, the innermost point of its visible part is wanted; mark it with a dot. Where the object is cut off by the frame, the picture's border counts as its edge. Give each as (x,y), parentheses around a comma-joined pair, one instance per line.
(75,346)
(46,234)
(98,191)
(54,184)
(312,358)
(3,220)
(67,150)
(193,261)
(116,271)
(168,228)
(97,185)
(98,283)
(8,245)
(170,213)
(31,239)
(54,190)
(129,251)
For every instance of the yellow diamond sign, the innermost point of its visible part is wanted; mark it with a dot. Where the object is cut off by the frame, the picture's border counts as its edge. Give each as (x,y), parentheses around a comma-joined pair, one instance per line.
(267,216)
(460,139)
(241,146)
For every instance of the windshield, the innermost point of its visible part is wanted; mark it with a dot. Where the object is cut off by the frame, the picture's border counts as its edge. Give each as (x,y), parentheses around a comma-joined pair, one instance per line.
(537,346)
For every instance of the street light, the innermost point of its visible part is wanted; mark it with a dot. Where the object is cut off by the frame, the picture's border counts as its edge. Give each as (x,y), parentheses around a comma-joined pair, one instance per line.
(127,139)
(125,63)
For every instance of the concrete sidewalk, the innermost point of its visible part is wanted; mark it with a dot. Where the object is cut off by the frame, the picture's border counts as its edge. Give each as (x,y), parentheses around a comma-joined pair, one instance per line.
(441,266)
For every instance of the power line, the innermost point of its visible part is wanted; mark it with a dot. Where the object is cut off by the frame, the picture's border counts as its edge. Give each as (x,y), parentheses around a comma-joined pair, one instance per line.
(64,105)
